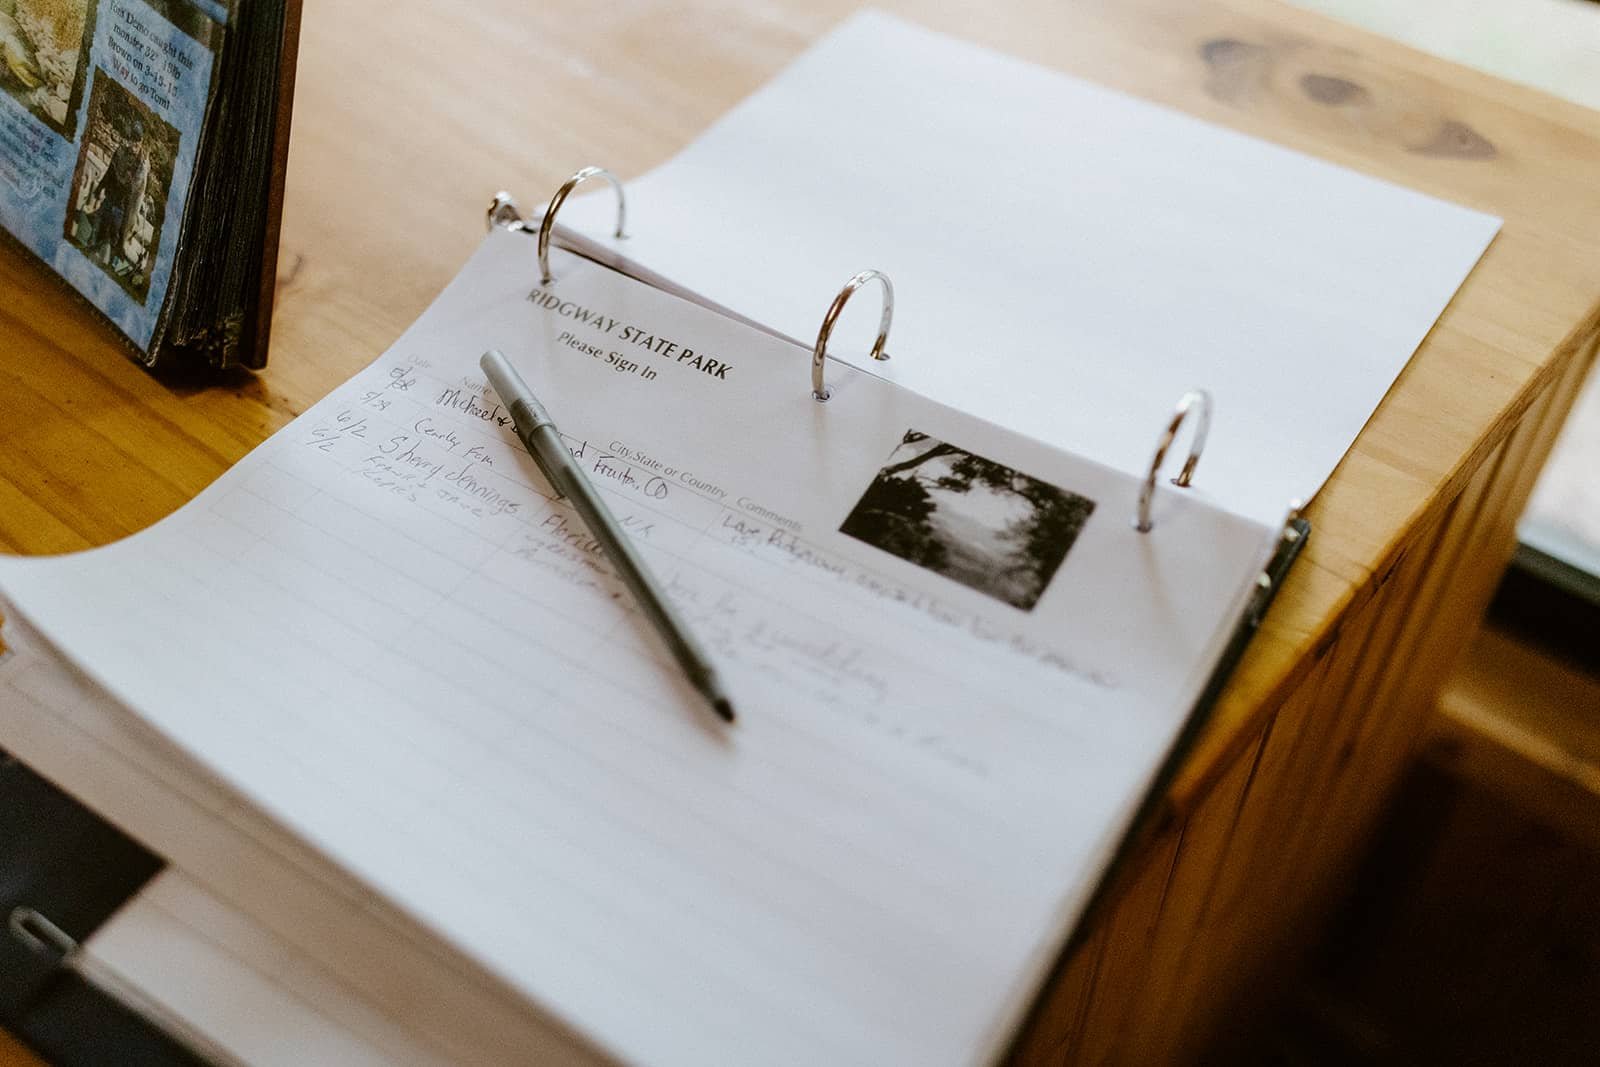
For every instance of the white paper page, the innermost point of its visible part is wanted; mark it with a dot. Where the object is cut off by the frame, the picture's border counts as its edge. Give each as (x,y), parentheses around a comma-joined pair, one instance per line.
(214,977)
(381,629)
(1067,261)
(68,729)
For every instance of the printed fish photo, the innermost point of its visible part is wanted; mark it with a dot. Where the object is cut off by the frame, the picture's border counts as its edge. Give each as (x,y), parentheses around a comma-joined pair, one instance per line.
(119,190)
(44,49)
(978,522)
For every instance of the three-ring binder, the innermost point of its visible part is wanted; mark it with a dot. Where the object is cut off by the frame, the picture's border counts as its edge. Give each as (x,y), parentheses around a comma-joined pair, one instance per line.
(1194,399)
(819,352)
(547,224)
(504,213)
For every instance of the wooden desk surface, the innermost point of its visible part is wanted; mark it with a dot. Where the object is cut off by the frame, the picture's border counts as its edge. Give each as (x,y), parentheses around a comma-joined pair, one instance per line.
(408,115)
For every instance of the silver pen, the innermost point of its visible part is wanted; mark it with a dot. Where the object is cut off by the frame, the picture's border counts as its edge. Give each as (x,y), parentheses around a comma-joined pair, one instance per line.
(538,434)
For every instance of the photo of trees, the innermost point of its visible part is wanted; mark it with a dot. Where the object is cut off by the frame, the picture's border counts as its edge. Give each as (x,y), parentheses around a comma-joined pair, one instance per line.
(978,522)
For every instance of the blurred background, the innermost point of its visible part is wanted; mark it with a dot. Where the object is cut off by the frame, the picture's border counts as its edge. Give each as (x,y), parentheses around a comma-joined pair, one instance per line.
(1471,934)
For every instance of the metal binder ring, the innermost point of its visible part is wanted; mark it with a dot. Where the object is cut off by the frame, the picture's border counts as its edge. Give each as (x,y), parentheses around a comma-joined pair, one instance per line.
(1194,399)
(41,935)
(503,212)
(819,388)
(548,223)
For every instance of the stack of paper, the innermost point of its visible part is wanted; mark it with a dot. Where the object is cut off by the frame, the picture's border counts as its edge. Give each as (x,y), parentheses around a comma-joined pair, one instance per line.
(378,691)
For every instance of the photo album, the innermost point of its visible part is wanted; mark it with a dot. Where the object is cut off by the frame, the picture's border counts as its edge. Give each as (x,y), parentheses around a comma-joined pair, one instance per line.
(142,148)
(971,586)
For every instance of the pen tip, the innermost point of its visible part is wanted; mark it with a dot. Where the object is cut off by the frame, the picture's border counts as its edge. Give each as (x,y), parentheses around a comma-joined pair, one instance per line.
(723,708)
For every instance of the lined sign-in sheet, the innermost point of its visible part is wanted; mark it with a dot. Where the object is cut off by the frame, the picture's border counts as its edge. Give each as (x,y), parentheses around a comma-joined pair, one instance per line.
(956,665)
(276,933)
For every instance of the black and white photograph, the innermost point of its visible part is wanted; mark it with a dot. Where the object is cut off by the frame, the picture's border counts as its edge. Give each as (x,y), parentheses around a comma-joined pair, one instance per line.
(978,522)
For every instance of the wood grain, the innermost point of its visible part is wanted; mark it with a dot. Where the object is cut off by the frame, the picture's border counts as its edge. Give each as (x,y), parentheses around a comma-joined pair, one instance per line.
(15,1054)
(409,115)
(1522,724)
(1468,936)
